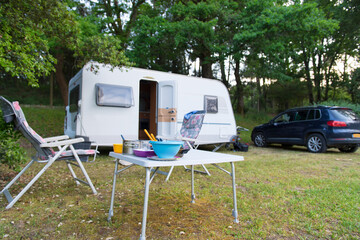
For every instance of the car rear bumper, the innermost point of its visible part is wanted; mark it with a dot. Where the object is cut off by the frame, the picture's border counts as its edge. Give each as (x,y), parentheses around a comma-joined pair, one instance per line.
(342,141)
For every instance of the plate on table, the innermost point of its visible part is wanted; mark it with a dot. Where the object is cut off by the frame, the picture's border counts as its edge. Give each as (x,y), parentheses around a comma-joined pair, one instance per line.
(144,153)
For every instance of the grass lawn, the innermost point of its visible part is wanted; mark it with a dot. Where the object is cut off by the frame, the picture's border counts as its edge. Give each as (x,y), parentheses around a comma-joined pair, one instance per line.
(281,194)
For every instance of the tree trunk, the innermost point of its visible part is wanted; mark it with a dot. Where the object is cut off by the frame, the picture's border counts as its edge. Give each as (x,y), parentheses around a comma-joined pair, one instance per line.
(206,70)
(317,76)
(51,89)
(264,93)
(258,87)
(327,79)
(223,73)
(60,77)
(308,77)
(239,93)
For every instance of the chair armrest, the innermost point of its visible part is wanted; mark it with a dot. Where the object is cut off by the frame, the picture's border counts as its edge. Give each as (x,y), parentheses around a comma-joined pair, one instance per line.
(188,139)
(175,138)
(196,141)
(62,143)
(56,138)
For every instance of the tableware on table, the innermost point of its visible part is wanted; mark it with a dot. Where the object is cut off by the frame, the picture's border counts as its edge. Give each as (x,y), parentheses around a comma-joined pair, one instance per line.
(130,145)
(166,149)
(144,153)
(118,147)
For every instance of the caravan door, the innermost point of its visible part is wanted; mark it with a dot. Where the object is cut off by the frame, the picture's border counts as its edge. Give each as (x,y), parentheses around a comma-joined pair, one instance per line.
(167,108)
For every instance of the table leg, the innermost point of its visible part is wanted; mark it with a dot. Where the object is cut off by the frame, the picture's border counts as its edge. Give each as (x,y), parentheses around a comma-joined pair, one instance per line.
(192,185)
(111,210)
(234,211)
(146,200)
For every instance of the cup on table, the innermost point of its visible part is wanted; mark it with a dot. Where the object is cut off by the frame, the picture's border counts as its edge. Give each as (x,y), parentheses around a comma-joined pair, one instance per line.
(118,148)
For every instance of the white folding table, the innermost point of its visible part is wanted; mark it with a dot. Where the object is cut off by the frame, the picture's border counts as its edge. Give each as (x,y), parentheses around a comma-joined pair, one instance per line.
(193,157)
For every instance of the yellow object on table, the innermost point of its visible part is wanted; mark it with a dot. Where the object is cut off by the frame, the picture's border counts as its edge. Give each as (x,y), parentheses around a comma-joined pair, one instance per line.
(118,148)
(147,133)
(153,137)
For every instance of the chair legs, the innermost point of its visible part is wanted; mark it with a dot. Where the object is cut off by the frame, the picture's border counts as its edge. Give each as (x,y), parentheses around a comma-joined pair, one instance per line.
(79,164)
(6,192)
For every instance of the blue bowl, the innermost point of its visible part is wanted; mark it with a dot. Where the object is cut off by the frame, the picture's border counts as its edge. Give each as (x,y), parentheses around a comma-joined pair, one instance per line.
(166,149)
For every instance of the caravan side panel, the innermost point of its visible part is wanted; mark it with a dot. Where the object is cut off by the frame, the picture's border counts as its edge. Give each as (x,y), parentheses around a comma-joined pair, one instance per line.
(106,124)
(213,97)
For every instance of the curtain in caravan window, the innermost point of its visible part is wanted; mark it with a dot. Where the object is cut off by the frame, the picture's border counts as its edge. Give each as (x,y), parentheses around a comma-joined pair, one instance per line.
(114,95)
(211,104)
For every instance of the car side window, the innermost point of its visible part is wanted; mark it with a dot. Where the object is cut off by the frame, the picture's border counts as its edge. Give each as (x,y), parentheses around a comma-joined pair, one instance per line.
(301,115)
(314,114)
(284,118)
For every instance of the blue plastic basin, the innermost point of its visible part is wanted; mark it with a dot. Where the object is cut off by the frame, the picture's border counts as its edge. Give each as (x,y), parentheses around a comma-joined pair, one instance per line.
(166,149)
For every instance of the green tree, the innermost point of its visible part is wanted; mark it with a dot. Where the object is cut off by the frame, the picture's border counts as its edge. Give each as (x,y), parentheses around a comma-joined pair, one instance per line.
(117,17)
(247,43)
(25,27)
(40,37)
(289,39)
(288,94)
(153,45)
(354,86)
(88,43)
(195,23)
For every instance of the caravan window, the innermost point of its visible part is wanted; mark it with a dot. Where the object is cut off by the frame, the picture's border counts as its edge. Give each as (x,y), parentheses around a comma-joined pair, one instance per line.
(211,104)
(114,95)
(74,99)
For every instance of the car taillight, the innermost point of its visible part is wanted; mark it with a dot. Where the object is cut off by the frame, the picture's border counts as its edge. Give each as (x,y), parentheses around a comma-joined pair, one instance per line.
(336,124)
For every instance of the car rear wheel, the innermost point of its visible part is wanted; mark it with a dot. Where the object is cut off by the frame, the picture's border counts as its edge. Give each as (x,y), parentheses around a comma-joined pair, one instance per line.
(348,148)
(259,140)
(316,143)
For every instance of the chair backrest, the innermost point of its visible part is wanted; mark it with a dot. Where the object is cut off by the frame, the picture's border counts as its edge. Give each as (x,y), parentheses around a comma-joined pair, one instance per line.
(7,110)
(12,112)
(192,124)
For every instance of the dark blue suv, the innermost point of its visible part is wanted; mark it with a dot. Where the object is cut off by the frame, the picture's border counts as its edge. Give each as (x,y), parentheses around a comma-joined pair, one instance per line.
(317,128)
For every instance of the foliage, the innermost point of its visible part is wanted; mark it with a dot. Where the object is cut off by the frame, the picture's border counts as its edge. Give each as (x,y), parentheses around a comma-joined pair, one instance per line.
(11,154)
(342,103)
(354,86)
(25,27)
(48,122)
(117,17)
(94,45)
(18,90)
(266,40)
(154,47)
(288,93)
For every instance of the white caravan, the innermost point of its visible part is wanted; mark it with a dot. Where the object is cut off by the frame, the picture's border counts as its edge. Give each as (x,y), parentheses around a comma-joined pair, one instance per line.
(107,104)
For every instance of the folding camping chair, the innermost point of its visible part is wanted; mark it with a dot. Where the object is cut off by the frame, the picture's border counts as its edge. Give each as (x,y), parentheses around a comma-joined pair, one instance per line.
(13,113)
(189,131)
